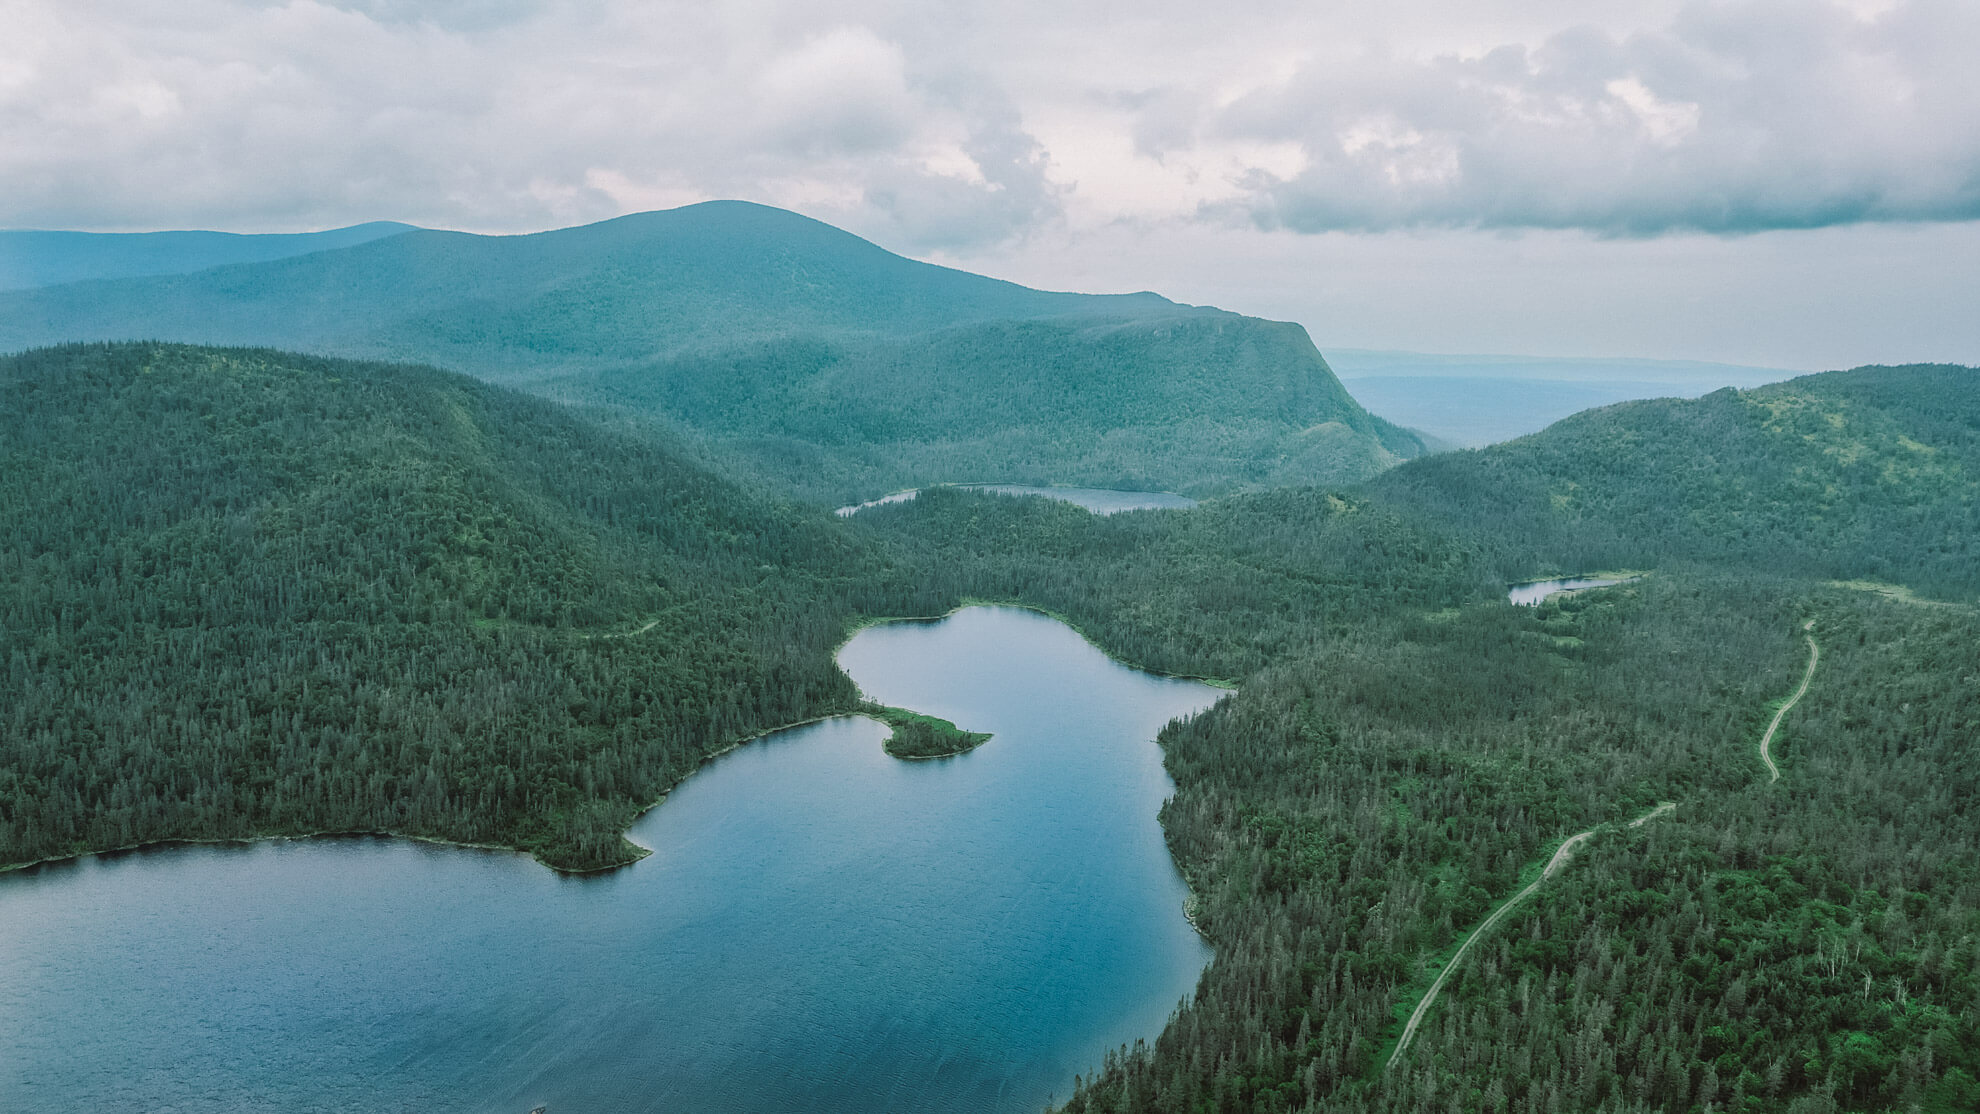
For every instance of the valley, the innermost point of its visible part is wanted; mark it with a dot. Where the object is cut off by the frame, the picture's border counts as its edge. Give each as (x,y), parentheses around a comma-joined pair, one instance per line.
(830,558)
(255,593)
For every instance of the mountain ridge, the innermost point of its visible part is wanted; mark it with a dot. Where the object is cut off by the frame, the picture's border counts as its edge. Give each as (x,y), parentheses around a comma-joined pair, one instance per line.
(31,258)
(758,271)
(646,313)
(1867,472)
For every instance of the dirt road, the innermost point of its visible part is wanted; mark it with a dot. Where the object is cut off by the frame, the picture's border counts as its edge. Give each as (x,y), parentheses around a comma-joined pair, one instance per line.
(1767,740)
(1559,860)
(1566,852)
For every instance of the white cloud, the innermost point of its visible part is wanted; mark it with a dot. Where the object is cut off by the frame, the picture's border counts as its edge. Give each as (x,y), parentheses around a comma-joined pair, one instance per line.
(631,196)
(985,131)
(1733,117)
(1667,123)
(1002,119)
(844,92)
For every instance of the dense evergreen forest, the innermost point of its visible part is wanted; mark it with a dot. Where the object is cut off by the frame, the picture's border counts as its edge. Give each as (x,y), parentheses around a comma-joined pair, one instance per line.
(1871,473)
(1805,945)
(1203,403)
(1407,750)
(245,592)
(252,592)
(804,357)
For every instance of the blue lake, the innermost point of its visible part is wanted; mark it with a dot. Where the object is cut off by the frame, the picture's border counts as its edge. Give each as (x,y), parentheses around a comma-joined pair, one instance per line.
(819,928)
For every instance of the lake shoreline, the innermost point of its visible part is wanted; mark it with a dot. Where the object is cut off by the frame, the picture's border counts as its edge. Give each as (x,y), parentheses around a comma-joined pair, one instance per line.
(1044,847)
(852,631)
(1519,593)
(978,601)
(437,841)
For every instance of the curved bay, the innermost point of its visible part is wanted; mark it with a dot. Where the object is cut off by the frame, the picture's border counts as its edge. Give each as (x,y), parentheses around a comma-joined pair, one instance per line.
(820,927)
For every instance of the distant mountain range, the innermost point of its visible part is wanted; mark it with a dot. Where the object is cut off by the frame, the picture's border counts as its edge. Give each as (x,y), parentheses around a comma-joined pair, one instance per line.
(1480,400)
(798,353)
(31,258)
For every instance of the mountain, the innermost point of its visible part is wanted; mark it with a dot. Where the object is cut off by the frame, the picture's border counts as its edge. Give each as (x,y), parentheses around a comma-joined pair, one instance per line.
(246,592)
(1197,403)
(1871,473)
(33,258)
(715,316)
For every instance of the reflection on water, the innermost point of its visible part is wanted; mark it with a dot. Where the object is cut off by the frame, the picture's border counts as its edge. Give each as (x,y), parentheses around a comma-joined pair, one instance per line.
(1099,500)
(1527,595)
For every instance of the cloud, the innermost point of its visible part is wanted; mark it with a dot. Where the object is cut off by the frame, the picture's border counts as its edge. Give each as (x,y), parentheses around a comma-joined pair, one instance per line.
(493,116)
(844,92)
(952,127)
(1735,118)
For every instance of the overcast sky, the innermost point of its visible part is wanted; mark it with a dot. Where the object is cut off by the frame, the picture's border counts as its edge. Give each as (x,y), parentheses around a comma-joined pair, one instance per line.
(1784,182)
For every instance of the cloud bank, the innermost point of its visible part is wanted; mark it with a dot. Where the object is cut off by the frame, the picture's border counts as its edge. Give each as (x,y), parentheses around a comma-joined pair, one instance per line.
(1733,118)
(952,127)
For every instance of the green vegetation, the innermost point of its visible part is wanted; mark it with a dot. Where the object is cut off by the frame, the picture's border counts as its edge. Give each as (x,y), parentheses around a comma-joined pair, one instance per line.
(1354,809)
(802,356)
(918,736)
(1404,744)
(1866,474)
(245,592)
(1199,403)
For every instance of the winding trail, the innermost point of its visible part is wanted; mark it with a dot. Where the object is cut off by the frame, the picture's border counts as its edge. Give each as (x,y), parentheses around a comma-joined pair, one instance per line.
(1566,852)
(1767,740)
(1559,860)
(650,624)
(1667,806)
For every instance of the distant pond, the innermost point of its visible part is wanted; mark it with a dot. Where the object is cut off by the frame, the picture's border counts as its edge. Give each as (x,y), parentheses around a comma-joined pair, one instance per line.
(1099,500)
(820,928)
(1533,592)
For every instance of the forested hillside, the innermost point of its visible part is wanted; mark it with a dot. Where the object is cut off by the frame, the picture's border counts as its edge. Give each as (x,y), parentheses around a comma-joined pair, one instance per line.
(521,307)
(1406,750)
(250,592)
(246,592)
(1801,946)
(723,317)
(1872,473)
(1200,404)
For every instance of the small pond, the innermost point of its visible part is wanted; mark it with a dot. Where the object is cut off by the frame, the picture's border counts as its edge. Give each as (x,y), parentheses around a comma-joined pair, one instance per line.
(1099,500)
(1532,593)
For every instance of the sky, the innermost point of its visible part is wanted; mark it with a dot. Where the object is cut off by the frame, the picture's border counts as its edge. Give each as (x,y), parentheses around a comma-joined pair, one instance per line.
(1790,183)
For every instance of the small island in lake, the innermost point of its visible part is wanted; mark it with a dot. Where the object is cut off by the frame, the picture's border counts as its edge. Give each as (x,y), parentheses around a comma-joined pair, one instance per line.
(917,736)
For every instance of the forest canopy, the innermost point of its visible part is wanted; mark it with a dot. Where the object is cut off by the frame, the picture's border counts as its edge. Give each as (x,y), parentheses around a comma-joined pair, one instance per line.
(246,592)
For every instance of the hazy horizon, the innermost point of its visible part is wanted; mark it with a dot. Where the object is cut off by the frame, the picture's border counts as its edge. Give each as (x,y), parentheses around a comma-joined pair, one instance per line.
(1783,185)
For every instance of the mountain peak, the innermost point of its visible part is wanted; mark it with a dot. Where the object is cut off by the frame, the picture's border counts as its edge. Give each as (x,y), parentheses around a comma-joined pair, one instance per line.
(831,362)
